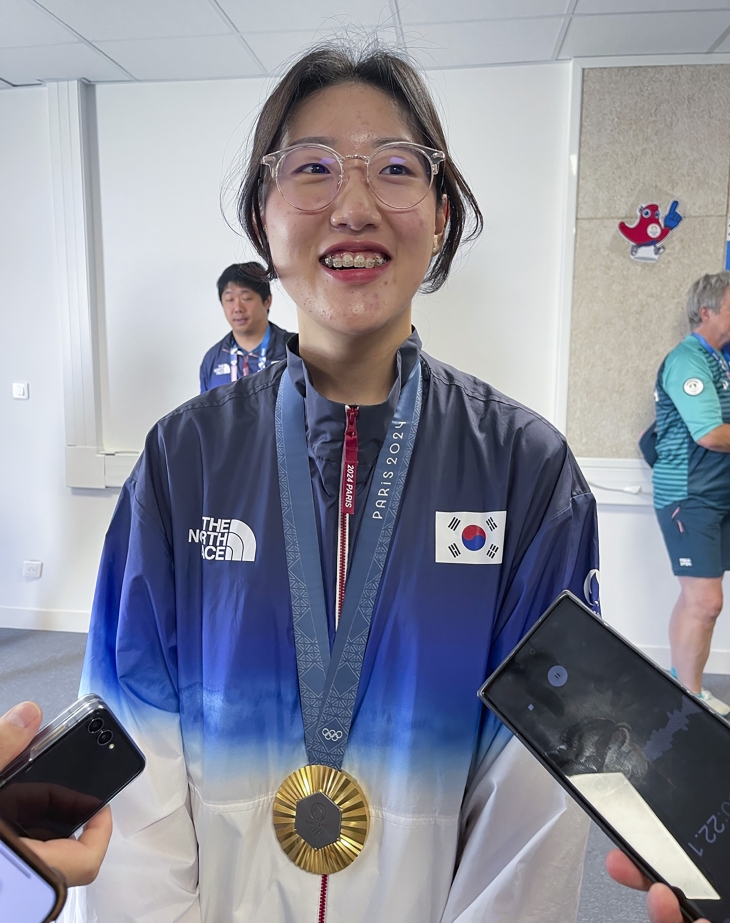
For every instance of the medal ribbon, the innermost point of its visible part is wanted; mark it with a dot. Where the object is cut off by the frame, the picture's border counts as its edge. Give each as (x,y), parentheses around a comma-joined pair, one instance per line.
(328,683)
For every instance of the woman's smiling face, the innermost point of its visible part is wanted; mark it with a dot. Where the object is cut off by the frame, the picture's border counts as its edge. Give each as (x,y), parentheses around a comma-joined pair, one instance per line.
(352,119)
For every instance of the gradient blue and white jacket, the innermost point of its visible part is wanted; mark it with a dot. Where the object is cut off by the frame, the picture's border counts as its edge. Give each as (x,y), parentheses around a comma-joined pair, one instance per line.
(191,643)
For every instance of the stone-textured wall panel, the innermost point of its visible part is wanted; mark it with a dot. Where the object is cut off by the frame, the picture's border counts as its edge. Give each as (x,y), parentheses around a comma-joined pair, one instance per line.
(646,128)
(645,132)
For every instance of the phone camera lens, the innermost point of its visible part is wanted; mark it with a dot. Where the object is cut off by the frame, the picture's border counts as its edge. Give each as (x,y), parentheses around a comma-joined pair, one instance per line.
(557,675)
(95,725)
(104,738)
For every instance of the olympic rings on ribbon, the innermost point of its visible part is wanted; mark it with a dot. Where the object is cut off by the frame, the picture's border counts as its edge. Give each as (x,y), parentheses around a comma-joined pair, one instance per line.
(329,734)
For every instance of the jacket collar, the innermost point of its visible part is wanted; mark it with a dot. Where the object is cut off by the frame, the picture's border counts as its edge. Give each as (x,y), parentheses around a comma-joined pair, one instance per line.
(325,419)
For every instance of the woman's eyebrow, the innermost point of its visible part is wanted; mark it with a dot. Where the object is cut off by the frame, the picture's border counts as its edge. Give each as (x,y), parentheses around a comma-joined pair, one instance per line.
(313,139)
(331,142)
(379,142)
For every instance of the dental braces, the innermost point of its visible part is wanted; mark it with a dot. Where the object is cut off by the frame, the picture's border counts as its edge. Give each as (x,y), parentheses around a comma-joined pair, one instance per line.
(349,261)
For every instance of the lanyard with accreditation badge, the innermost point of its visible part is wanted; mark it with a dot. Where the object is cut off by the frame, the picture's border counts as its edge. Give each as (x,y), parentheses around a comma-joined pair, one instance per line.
(719,356)
(320,812)
(260,351)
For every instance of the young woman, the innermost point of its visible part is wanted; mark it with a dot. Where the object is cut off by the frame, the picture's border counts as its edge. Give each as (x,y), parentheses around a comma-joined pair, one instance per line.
(312,570)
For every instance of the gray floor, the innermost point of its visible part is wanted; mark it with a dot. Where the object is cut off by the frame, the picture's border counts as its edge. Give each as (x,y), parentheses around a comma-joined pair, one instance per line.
(45,666)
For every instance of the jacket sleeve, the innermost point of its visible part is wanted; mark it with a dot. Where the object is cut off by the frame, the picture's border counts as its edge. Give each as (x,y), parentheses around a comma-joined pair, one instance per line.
(522,838)
(150,872)
(523,846)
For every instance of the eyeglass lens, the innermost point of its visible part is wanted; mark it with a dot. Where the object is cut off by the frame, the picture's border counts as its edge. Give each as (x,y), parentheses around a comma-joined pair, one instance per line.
(309,177)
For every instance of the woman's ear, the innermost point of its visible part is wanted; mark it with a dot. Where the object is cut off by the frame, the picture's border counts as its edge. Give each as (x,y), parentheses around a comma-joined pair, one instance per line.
(442,219)
(258,223)
(442,216)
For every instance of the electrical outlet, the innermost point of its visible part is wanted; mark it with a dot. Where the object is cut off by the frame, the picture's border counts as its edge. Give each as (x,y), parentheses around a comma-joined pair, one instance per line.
(21,391)
(32,569)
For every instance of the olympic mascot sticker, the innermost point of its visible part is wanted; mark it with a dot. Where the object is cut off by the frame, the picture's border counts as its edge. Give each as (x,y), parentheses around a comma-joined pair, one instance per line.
(650,230)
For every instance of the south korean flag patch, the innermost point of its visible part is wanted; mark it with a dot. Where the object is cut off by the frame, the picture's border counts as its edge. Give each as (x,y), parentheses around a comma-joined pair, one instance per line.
(470,538)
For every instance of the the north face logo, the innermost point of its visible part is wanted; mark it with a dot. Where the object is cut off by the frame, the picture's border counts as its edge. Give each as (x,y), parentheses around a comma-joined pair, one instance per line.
(224,540)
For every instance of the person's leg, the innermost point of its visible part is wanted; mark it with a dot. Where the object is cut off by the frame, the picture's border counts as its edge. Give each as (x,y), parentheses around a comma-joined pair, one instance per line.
(691,625)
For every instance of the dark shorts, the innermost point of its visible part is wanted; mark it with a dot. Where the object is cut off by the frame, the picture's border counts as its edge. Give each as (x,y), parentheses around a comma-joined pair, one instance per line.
(697,538)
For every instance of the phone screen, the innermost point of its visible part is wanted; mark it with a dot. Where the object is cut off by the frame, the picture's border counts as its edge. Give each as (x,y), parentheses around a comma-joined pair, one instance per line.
(25,897)
(650,760)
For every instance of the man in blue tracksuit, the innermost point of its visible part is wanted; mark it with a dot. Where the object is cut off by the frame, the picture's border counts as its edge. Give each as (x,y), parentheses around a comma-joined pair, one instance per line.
(192,644)
(254,343)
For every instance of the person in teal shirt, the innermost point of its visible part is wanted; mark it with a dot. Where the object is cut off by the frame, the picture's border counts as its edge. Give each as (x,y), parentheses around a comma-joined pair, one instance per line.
(692,475)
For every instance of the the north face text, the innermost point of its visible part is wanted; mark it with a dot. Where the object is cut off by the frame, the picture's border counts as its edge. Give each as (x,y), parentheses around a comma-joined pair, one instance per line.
(224,540)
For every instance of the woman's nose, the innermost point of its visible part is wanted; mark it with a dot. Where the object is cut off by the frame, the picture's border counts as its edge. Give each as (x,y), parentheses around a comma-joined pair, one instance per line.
(355,206)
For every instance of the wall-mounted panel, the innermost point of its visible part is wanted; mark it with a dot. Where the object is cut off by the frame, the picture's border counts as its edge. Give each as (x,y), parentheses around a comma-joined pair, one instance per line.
(648,135)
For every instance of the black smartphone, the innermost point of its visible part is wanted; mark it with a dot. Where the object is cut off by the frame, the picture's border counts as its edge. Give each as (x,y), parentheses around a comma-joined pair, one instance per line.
(68,772)
(647,760)
(30,892)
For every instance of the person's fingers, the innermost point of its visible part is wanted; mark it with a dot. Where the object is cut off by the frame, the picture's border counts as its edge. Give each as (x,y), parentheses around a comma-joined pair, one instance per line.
(78,860)
(17,728)
(663,905)
(97,832)
(623,870)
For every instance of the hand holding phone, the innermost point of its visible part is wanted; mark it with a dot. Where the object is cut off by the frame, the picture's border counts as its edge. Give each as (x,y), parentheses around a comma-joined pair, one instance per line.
(647,760)
(78,860)
(68,772)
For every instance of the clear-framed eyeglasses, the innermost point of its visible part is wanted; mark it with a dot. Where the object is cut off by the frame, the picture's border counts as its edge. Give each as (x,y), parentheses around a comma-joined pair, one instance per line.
(309,176)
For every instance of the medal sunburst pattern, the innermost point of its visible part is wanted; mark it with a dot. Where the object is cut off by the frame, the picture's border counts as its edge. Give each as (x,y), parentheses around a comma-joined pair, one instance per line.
(343,790)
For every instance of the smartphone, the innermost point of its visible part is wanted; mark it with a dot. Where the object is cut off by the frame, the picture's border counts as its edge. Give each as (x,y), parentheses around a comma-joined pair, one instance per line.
(68,772)
(30,892)
(647,760)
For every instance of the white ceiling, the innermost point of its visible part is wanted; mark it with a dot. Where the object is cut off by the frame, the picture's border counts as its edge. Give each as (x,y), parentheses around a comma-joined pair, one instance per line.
(112,40)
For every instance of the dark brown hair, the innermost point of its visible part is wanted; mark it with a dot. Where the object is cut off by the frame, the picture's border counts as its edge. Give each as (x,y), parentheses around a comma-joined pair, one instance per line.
(331,64)
(247,275)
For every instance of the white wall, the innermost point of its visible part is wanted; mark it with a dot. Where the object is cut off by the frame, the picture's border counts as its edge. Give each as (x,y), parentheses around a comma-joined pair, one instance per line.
(497,317)
(164,150)
(41,519)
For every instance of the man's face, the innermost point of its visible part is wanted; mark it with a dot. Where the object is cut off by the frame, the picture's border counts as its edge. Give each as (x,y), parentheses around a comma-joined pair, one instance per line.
(245,309)
(718,324)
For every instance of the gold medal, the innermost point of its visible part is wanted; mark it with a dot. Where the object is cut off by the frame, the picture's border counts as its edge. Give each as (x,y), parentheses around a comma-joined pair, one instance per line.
(321,819)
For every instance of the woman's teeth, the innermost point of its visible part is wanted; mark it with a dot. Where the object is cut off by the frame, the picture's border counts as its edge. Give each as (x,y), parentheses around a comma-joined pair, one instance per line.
(352,261)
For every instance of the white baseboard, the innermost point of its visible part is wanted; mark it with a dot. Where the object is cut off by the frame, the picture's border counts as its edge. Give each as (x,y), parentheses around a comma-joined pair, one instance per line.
(44,619)
(619,481)
(719,661)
